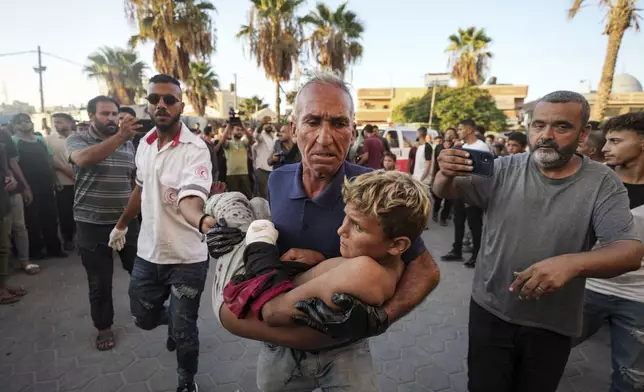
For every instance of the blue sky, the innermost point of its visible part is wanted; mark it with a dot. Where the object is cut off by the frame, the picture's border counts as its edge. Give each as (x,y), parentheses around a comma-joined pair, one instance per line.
(534,44)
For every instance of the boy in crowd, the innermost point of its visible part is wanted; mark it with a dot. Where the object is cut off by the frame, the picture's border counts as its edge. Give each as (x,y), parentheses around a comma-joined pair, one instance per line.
(389,161)
(620,300)
(517,142)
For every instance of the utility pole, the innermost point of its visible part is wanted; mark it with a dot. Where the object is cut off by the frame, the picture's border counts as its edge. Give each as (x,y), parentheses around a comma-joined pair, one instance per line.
(235,75)
(40,69)
(431,106)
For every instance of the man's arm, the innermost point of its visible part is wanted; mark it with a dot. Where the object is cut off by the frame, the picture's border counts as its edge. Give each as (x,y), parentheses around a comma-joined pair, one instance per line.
(132,209)
(196,181)
(614,227)
(91,155)
(17,173)
(300,338)
(419,279)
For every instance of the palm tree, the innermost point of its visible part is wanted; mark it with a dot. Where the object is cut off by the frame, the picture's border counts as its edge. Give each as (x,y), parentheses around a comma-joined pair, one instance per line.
(201,84)
(253,105)
(469,56)
(121,70)
(180,30)
(334,41)
(621,14)
(273,37)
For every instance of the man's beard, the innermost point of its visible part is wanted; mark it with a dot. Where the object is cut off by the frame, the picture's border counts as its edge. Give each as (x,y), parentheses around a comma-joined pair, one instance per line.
(554,157)
(103,127)
(166,128)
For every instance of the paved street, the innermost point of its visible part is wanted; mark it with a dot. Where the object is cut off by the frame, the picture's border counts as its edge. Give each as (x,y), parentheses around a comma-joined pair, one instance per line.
(46,341)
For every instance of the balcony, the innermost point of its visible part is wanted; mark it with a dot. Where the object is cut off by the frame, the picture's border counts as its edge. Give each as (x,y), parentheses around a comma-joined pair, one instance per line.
(372,115)
(375,93)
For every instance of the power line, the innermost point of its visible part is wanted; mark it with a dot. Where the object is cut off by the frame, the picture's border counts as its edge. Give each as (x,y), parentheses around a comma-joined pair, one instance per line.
(16,53)
(63,59)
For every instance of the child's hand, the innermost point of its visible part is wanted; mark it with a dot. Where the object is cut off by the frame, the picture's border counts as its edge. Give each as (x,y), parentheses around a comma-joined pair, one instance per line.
(306,256)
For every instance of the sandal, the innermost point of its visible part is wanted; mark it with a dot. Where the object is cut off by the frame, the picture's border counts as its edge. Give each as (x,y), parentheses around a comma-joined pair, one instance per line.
(105,341)
(17,291)
(8,299)
(31,269)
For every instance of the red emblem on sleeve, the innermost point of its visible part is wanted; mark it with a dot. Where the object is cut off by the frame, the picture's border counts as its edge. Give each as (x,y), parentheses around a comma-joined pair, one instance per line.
(170,196)
(202,172)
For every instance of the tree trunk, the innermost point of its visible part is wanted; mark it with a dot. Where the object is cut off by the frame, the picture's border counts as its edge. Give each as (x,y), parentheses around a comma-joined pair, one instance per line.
(277,99)
(618,24)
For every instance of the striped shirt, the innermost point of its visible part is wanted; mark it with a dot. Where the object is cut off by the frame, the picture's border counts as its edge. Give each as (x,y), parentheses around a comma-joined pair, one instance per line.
(101,191)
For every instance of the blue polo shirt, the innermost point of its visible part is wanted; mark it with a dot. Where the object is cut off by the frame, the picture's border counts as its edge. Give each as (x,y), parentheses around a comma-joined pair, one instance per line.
(307,223)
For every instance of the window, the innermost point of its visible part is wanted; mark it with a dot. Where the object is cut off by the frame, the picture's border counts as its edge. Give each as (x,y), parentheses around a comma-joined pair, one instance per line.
(392,138)
(409,138)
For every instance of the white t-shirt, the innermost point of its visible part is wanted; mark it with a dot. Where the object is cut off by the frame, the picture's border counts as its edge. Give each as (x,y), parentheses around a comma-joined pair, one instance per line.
(420,160)
(478,145)
(264,149)
(630,285)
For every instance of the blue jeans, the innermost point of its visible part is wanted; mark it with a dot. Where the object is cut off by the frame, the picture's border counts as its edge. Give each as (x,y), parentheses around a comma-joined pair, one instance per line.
(347,369)
(626,320)
(150,286)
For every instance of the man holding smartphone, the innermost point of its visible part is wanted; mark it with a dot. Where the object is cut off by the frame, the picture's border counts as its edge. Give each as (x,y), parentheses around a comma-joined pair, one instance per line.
(543,213)
(466,212)
(103,160)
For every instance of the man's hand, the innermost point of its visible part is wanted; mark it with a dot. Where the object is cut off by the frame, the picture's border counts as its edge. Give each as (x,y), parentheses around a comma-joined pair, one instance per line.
(455,163)
(10,183)
(27,195)
(354,320)
(305,256)
(128,127)
(221,239)
(117,239)
(543,277)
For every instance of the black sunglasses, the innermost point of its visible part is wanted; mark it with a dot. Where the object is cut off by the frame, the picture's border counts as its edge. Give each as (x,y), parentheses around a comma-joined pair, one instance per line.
(168,99)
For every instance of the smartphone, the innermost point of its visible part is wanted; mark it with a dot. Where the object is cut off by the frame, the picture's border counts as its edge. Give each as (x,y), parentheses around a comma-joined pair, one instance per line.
(482,161)
(146,125)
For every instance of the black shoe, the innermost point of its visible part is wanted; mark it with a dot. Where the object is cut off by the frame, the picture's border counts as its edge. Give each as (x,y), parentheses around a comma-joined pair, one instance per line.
(170,344)
(435,218)
(58,255)
(467,249)
(443,222)
(471,263)
(191,388)
(68,246)
(452,256)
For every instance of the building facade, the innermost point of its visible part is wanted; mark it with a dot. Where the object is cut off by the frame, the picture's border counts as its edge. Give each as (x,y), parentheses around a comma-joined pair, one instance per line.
(375,105)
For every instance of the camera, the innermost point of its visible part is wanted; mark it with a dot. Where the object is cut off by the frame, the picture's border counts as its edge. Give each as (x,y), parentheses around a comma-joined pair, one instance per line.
(233,116)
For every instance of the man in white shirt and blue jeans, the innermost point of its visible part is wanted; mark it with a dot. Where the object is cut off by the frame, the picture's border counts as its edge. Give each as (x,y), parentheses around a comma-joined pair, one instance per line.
(173,179)
(620,300)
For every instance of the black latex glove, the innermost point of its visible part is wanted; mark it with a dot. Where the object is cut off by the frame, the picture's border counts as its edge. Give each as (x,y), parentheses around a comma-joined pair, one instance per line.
(354,320)
(221,239)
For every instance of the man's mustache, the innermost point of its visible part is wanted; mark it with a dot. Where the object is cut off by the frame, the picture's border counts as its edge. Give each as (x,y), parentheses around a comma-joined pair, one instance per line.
(548,144)
(111,123)
(161,113)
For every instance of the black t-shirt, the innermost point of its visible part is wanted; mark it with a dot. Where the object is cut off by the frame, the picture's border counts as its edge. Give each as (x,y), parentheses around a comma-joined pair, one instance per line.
(635,194)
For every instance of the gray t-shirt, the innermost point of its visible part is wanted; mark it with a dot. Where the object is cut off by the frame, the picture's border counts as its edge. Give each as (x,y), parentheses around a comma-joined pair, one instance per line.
(528,218)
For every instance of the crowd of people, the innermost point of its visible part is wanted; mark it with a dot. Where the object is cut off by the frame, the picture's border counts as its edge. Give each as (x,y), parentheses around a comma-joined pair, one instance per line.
(335,254)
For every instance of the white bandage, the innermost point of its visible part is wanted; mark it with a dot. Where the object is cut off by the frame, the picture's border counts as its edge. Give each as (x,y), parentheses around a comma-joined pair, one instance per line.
(261,230)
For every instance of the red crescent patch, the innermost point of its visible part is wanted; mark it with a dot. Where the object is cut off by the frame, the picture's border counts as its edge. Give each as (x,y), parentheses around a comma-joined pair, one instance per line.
(170,196)
(202,172)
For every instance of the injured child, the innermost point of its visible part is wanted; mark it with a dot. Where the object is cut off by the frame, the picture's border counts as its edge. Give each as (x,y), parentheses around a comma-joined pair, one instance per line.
(385,213)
